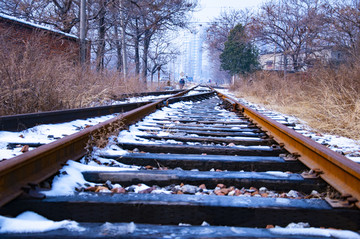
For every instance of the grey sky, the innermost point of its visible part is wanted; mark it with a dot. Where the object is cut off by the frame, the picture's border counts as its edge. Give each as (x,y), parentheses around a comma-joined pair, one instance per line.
(212,8)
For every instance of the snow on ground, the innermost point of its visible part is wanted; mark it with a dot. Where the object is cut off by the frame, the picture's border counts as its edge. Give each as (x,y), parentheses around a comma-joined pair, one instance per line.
(198,90)
(48,133)
(43,134)
(71,177)
(131,135)
(304,230)
(139,99)
(34,223)
(348,147)
(28,222)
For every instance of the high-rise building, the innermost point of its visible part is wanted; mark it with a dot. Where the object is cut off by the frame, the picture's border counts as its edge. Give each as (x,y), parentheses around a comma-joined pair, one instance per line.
(193,53)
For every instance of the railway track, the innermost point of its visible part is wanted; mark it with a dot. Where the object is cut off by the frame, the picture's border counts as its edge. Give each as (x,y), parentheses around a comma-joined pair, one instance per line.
(206,166)
(124,103)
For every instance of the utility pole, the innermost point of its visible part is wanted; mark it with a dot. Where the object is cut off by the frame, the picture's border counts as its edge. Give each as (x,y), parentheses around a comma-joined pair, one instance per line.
(123,40)
(82,31)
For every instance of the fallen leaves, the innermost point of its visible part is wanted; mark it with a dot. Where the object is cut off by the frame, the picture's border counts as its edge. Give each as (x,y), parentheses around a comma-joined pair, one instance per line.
(219,190)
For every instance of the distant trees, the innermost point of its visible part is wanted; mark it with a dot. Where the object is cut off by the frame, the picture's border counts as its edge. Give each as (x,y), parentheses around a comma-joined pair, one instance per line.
(298,29)
(217,35)
(154,18)
(61,14)
(343,27)
(292,26)
(239,55)
(112,26)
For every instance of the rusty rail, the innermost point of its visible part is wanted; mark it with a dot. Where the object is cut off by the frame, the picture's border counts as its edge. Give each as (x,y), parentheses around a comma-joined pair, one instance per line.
(337,170)
(39,164)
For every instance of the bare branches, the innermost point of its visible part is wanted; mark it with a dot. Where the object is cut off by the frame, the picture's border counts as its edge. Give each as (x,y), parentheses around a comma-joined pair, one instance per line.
(294,27)
(144,22)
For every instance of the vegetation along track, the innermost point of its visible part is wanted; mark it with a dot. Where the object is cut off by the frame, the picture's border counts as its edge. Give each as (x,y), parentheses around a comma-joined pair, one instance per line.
(191,162)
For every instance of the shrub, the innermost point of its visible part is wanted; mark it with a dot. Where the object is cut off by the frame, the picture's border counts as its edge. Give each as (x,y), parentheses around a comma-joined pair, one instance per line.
(328,99)
(33,80)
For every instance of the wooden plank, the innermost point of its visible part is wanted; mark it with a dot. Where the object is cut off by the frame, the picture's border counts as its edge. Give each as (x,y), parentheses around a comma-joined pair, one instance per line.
(208,162)
(207,133)
(192,209)
(138,230)
(202,121)
(251,126)
(201,149)
(217,140)
(196,128)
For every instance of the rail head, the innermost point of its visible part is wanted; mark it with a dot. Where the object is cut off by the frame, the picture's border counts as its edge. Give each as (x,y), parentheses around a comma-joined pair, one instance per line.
(340,172)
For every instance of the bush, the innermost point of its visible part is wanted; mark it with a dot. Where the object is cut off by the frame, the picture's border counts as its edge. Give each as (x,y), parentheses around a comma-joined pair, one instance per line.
(33,80)
(328,99)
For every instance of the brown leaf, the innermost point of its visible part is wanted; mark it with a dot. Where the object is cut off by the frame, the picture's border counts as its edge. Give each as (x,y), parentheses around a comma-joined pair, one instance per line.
(149,167)
(24,149)
(225,191)
(90,189)
(237,192)
(148,190)
(118,190)
(218,192)
(202,186)
(101,188)
(220,185)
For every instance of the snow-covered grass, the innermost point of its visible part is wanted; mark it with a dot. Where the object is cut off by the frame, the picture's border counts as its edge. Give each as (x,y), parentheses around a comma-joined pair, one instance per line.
(43,134)
(48,133)
(346,146)
(327,98)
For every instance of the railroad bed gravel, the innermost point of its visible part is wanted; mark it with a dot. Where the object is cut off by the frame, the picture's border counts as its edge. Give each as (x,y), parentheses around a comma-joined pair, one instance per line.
(214,168)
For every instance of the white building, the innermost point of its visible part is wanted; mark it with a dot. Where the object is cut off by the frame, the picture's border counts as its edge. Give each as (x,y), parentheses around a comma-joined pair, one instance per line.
(278,62)
(192,63)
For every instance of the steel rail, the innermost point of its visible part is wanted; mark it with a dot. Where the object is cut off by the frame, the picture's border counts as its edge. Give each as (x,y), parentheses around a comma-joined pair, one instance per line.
(23,121)
(337,170)
(35,166)
(155,93)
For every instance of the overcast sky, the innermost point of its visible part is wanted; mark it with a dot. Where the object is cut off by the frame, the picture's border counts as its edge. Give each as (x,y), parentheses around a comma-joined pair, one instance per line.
(210,9)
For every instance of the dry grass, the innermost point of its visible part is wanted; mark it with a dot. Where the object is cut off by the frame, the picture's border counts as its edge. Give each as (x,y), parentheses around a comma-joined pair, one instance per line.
(327,99)
(31,80)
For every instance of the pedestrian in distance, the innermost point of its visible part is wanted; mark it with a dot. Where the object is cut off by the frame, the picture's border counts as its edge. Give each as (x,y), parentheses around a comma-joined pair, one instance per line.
(182,83)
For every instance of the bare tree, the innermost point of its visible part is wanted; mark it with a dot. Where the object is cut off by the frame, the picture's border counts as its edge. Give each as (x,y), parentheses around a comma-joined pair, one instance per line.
(109,34)
(102,28)
(343,29)
(293,26)
(153,17)
(160,55)
(61,14)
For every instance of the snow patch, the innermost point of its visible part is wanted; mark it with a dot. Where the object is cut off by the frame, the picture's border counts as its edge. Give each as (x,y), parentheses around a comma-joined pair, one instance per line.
(71,177)
(31,222)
